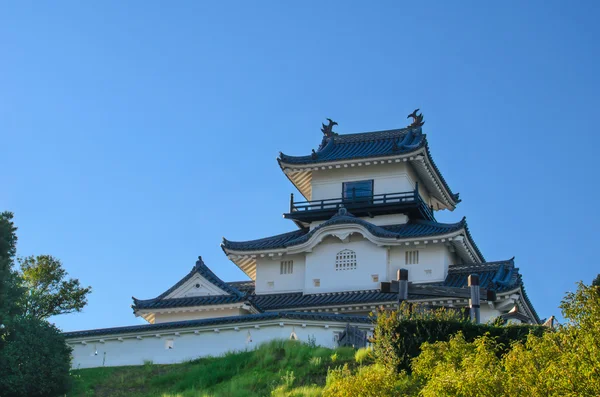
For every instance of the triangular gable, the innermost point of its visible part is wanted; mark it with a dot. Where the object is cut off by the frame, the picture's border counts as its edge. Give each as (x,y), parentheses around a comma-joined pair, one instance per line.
(196,286)
(199,282)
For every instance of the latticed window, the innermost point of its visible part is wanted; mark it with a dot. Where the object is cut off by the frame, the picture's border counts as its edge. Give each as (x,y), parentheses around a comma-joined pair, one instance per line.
(345,260)
(286,267)
(412,258)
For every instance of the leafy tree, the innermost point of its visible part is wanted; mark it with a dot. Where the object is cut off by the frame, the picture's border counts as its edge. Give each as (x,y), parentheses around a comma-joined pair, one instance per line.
(565,362)
(34,357)
(9,289)
(48,292)
(596,282)
(34,361)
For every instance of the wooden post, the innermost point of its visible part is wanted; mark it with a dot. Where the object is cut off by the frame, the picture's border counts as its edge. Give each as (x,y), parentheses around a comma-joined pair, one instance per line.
(474,301)
(402,286)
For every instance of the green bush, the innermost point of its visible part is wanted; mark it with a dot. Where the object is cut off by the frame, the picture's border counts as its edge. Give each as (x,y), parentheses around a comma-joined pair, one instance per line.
(374,380)
(364,355)
(399,335)
(34,360)
(565,362)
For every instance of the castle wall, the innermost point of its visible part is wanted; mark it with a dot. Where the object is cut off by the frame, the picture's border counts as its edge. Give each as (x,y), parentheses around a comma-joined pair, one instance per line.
(189,346)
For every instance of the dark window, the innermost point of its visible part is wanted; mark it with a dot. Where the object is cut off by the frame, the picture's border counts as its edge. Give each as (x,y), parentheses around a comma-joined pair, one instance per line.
(358,189)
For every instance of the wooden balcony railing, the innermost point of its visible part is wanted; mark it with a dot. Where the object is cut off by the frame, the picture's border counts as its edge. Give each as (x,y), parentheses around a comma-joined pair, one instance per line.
(362,202)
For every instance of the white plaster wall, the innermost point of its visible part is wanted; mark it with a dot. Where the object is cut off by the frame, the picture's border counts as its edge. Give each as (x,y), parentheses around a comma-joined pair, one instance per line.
(434,257)
(422,189)
(320,264)
(187,346)
(189,288)
(388,178)
(182,316)
(486,313)
(268,269)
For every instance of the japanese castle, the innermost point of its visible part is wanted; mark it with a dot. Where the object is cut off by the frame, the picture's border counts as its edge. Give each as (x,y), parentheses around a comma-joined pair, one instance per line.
(366,209)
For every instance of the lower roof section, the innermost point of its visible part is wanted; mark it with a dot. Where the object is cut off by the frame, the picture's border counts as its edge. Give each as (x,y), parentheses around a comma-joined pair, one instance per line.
(220,321)
(244,253)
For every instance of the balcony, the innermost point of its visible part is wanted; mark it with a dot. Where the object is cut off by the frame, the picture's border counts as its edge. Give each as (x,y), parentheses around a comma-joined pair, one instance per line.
(409,203)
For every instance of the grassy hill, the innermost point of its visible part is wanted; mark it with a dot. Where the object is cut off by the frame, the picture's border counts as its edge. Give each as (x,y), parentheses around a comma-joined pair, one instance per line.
(278,368)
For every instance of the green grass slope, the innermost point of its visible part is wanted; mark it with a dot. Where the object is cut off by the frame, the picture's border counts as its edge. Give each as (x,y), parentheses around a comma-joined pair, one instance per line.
(278,368)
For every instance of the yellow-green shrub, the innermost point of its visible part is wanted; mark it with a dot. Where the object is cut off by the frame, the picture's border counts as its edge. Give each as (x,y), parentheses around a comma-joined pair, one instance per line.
(368,381)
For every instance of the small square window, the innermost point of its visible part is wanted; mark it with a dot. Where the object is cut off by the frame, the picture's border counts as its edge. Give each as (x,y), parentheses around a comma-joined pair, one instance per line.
(317,282)
(169,344)
(270,284)
(286,267)
(412,257)
(375,278)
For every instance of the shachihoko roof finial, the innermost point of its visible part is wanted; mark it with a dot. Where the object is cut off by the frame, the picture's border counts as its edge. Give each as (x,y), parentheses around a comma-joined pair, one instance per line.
(328,129)
(417,119)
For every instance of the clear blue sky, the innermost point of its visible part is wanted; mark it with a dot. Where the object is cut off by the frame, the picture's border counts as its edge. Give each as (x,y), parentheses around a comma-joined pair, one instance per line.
(135,135)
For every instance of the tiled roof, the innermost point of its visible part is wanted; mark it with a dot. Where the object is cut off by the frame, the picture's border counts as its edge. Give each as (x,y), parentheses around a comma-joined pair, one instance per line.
(369,145)
(199,268)
(299,300)
(245,287)
(221,321)
(188,301)
(413,229)
(362,145)
(498,276)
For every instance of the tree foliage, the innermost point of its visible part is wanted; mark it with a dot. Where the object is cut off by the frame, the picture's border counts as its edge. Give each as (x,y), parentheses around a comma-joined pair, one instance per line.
(370,381)
(9,289)
(48,292)
(34,357)
(565,362)
(399,334)
(34,361)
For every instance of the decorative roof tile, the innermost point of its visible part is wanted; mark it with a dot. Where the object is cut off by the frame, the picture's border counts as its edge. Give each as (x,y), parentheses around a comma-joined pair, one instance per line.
(340,318)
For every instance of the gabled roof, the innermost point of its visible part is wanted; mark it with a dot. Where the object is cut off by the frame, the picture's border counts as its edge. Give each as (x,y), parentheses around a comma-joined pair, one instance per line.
(387,144)
(223,321)
(411,230)
(161,301)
